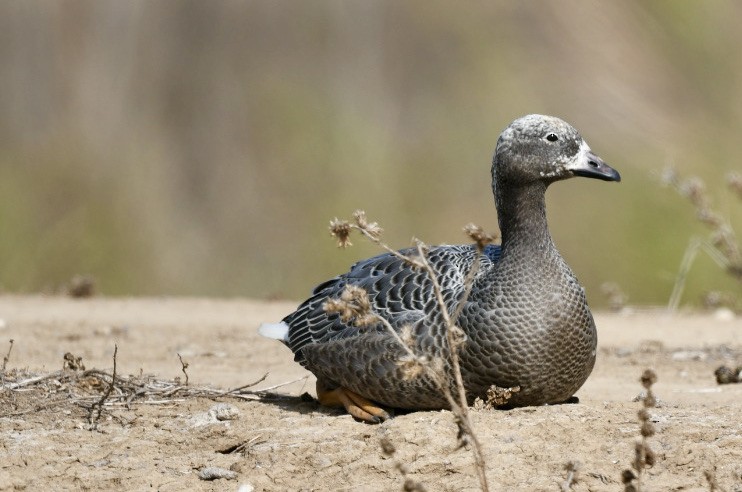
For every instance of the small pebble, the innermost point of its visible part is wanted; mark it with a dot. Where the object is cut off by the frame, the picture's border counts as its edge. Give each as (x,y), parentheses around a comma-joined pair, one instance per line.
(724,314)
(215,473)
(220,412)
(727,375)
(224,411)
(689,355)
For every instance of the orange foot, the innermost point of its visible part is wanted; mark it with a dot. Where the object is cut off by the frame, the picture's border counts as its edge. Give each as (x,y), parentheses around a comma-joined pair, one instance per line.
(356,405)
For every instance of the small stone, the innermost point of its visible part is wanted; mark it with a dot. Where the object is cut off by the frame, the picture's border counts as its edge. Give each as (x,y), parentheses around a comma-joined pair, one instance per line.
(724,314)
(220,412)
(224,411)
(215,473)
(689,355)
(726,375)
(319,462)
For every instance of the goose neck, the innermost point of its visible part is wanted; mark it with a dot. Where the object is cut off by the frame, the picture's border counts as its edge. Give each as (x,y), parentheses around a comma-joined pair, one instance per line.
(522,217)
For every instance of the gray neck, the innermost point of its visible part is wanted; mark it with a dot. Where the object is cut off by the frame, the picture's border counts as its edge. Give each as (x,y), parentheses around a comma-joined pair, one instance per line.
(521,210)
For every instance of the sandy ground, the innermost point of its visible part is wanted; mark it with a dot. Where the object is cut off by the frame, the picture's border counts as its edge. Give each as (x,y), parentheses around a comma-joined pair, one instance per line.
(295,445)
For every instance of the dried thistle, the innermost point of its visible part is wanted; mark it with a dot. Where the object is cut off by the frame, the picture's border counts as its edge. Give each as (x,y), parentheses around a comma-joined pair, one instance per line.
(496,397)
(358,297)
(353,306)
(411,367)
(72,363)
(371,229)
(648,379)
(340,230)
(458,338)
(407,336)
(644,457)
(478,235)
(627,478)
(388,449)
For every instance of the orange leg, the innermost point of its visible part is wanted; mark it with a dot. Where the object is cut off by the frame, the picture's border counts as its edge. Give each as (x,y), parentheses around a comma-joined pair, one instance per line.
(356,405)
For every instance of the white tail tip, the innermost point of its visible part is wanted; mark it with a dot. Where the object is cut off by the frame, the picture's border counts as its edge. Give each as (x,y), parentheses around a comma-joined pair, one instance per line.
(278,331)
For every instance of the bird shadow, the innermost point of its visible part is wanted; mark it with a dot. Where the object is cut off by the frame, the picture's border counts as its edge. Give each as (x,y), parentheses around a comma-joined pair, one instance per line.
(306,404)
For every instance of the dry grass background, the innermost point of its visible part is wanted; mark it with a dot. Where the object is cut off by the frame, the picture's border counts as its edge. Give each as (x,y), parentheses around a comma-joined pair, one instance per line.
(200,147)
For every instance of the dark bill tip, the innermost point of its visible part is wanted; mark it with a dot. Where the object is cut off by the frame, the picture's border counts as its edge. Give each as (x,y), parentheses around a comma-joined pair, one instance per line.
(595,167)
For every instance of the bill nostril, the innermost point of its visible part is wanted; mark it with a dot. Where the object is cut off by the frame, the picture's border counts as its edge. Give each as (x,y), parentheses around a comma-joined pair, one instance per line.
(592,163)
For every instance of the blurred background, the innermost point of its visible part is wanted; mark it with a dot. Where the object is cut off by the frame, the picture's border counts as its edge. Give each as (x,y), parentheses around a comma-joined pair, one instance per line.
(201,148)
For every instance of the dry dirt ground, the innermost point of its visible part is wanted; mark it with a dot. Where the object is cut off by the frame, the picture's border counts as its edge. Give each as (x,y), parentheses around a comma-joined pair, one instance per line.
(290,443)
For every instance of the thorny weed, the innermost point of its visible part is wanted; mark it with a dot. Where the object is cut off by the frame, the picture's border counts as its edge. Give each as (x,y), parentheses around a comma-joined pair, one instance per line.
(644,457)
(722,245)
(354,305)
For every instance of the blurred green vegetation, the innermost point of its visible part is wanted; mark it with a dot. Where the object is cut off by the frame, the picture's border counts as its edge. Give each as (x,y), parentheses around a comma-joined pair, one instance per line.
(201,148)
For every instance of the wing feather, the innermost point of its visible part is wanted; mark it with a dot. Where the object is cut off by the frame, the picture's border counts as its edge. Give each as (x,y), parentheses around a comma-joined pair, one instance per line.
(398,292)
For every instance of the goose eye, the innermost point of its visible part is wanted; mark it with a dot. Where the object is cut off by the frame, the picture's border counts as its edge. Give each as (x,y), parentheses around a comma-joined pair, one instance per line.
(551,137)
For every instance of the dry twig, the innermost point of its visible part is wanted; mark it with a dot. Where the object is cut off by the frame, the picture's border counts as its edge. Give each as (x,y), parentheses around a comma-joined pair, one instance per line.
(94,420)
(7,356)
(183,367)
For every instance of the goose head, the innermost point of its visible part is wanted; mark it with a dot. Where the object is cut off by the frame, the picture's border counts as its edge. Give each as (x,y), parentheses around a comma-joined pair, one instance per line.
(545,149)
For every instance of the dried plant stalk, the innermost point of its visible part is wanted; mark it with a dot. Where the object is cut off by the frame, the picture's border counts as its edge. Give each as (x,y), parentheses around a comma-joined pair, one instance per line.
(722,245)
(354,306)
(6,359)
(106,394)
(644,457)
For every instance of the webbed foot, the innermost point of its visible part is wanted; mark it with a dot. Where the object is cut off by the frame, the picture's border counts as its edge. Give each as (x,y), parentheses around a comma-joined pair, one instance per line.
(355,404)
